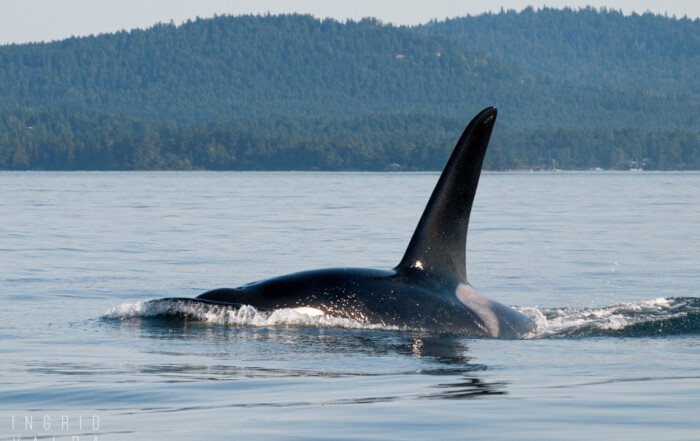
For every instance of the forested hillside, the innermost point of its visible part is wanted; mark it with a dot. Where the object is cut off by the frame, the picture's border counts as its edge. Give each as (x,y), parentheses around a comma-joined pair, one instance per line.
(588,47)
(295,92)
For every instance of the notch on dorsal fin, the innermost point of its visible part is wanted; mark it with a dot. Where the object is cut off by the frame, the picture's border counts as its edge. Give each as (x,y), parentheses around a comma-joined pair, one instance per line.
(438,245)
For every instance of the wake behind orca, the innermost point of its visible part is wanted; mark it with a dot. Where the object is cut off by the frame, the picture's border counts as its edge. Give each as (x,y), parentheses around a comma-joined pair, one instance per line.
(427,290)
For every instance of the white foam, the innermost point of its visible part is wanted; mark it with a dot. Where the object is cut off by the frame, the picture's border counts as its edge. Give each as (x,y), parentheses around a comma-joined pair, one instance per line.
(243,316)
(548,322)
(551,322)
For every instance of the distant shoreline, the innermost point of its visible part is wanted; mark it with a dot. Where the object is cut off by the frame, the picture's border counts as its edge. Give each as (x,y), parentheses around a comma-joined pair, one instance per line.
(553,172)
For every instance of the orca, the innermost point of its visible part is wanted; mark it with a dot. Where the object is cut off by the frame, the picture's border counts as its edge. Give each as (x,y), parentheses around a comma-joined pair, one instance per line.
(428,290)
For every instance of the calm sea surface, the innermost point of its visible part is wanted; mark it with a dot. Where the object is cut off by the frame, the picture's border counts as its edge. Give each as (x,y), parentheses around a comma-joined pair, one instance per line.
(607,263)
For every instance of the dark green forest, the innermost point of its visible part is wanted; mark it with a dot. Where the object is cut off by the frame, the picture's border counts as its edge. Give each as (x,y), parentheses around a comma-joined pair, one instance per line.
(576,89)
(588,47)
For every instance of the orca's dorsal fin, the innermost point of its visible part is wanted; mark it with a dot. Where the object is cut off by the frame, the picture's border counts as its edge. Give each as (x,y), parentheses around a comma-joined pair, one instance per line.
(438,245)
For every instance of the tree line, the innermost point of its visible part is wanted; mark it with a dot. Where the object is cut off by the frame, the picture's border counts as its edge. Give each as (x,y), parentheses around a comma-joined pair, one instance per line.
(60,140)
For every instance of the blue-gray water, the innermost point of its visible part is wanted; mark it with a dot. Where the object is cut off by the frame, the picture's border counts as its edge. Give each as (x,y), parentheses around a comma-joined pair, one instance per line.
(610,260)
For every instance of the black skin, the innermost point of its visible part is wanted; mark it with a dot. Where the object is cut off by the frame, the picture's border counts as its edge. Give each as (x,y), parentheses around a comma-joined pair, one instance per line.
(428,290)
(368,295)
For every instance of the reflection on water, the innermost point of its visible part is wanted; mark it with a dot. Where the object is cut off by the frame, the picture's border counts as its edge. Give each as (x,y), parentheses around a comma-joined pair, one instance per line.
(222,345)
(244,353)
(469,387)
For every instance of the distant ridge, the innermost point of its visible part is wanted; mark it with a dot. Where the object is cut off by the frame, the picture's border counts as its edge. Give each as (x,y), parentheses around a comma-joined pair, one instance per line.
(588,88)
(600,48)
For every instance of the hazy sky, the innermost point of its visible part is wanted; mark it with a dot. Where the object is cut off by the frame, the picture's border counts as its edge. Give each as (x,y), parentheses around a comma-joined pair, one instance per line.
(44,20)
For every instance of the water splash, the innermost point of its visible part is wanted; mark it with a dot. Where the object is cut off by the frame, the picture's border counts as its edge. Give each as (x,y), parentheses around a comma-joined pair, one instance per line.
(245,315)
(657,317)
